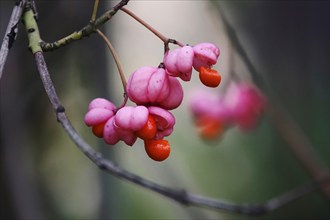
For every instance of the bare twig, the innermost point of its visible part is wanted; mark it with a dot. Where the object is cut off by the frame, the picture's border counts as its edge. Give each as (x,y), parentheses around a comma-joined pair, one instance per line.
(297,141)
(11,32)
(177,195)
(150,28)
(120,69)
(95,8)
(85,31)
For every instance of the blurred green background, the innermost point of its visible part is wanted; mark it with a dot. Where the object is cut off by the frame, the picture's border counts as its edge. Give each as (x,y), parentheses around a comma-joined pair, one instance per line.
(44,176)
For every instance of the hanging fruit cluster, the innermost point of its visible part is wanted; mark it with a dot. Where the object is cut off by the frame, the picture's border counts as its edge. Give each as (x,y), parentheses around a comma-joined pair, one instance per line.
(155,91)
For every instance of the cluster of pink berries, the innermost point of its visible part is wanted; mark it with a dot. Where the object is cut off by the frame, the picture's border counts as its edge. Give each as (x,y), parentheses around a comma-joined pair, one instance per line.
(201,57)
(241,105)
(155,90)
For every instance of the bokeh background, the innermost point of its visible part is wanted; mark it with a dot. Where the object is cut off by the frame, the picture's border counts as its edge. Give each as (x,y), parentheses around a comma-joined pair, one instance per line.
(44,176)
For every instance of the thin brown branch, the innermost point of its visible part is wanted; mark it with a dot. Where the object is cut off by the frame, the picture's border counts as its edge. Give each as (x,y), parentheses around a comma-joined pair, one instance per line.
(150,28)
(11,32)
(120,69)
